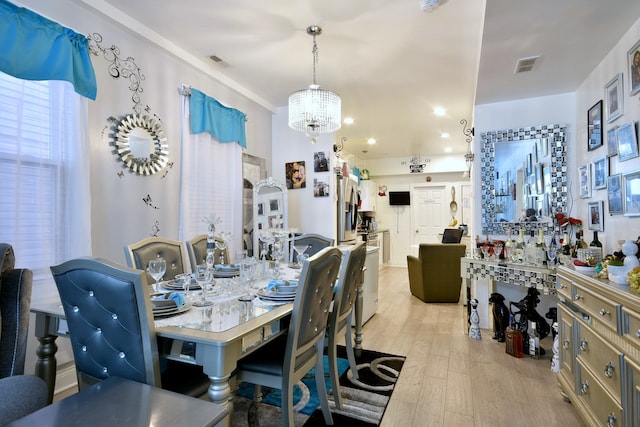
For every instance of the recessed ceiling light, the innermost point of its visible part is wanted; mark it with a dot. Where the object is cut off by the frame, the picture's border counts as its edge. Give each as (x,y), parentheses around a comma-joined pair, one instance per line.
(444,135)
(448,149)
(439,111)
(371,141)
(348,120)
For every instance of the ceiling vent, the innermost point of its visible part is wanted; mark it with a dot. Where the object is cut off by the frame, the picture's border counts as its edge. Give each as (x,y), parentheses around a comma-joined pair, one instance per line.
(526,64)
(219,61)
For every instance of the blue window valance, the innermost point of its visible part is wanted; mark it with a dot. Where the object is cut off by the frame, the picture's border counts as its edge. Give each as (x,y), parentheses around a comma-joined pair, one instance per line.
(34,48)
(224,123)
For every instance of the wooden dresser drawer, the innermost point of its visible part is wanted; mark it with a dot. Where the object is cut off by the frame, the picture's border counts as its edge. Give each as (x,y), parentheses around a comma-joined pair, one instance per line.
(567,345)
(604,360)
(564,287)
(603,408)
(598,307)
(631,327)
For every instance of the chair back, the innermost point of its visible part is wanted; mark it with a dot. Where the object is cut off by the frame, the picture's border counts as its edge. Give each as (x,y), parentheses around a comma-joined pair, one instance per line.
(311,306)
(15,303)
(197,250)
(314,243)
(351,274)
(435,275)
(110,319)
(139,254)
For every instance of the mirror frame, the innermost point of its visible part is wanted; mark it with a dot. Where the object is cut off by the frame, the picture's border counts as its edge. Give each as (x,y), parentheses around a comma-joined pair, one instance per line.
(157,159)
(556,134)
(269,182)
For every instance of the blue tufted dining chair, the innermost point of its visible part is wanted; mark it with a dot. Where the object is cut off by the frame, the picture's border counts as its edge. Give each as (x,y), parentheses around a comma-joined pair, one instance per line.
(339,324)
(284,361)
(197,250)
(110,317)
(19,394)
(139,254)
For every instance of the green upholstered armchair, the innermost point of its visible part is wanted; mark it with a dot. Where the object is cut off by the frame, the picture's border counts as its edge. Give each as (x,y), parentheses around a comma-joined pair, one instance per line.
(435,275)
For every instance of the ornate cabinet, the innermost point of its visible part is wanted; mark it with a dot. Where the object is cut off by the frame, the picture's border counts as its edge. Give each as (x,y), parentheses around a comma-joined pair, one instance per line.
(599,327)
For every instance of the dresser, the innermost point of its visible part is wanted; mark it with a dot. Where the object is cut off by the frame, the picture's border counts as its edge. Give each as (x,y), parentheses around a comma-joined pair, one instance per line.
(599,327)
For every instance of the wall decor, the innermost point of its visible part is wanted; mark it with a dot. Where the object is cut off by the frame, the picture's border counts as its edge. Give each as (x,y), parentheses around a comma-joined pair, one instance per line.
(594,126)
(274,205)
(320,188)
(542,148)
(631,186)
(633,60)
(539,178)
(260,209)
(596,216)
(600,173)
(614,194)
(614,96)
(584,179)
(140,144)
(612,142)
(321,161)
(296,175)
(627,141)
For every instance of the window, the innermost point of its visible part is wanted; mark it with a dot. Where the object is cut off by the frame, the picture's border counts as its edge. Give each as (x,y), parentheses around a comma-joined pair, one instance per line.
(44,200)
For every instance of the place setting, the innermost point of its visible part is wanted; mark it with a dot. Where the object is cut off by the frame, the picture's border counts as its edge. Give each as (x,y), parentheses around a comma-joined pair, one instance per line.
(168,304)
(279,291)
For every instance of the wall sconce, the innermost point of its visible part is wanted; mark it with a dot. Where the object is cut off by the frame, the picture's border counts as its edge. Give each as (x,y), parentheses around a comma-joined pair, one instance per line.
(337,148)
(468,156)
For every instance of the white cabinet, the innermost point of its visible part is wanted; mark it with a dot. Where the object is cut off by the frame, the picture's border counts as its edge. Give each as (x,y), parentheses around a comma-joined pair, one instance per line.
(368,195)
(370,285)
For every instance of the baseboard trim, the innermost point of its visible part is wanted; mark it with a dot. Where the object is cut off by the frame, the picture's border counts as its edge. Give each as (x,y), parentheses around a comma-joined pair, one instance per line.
(66,379)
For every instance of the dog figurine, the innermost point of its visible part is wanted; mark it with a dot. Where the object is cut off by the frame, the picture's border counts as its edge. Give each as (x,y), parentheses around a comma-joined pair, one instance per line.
(500,316)
(527,312)
(474,329)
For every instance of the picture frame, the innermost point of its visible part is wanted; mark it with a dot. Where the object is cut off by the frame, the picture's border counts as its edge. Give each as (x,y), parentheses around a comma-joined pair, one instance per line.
(321,161)
(596,215)
(614,194)
(320,188)
(612,142)
(627,141)
(600,173)
(631,187)
(633,61)
(614,96)
(274,205)
(584,179)
(295,173)
(594,126)
(260,209)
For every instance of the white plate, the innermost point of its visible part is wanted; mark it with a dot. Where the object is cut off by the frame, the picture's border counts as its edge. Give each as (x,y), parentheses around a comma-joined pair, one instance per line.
(274,296)
(170,312)
(176,285)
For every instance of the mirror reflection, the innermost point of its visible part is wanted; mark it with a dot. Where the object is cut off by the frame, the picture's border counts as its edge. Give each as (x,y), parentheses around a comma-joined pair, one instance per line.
(141,143)
(269,206)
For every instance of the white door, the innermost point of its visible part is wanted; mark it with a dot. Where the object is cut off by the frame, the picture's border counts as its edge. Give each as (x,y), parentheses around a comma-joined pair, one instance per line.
(429,213)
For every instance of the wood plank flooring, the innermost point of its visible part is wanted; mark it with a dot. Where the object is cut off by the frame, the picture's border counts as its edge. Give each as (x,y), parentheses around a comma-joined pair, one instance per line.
(451,380)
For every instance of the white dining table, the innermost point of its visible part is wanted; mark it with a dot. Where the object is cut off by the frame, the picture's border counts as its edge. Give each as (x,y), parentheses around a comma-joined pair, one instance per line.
(216,336)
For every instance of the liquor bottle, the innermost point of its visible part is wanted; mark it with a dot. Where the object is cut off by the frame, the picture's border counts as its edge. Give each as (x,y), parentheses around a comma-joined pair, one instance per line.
(566,244)
(583,243)
(520,245)
(595,243)
(530,250)
(513,339)
(534,342)
(508,247)
(541,253)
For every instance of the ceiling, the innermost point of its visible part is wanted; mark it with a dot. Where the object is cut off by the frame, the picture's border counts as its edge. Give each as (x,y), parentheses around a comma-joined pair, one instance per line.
(390,62)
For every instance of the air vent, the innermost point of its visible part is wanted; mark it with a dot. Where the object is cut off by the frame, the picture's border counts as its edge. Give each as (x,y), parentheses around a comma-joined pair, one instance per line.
(215,58)
(526,64)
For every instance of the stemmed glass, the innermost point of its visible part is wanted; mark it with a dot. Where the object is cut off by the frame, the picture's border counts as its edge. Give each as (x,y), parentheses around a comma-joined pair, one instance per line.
(157,267)
(300,250)
(203,276)
(552,252)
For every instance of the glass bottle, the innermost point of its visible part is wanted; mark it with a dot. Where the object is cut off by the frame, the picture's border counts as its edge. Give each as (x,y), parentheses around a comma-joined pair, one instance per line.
(583,243)
(519,250)
(534,342)
(566,244)
(508,247)
(595,243)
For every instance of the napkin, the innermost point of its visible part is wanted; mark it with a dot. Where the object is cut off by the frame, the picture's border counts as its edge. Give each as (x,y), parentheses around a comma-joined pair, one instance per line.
(177,297)
(222,267)
(272,284)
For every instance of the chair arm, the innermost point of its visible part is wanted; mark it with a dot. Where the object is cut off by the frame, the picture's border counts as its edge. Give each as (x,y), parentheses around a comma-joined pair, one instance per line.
(21,395)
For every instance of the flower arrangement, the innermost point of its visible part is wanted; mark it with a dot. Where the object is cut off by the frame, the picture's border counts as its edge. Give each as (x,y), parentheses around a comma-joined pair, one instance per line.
(566,221)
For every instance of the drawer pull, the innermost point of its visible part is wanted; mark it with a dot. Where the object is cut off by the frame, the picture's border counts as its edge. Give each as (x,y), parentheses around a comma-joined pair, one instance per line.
(611,420)
(583,344)
(565,344)
(562,286)
(585,387)
(638,333)
(578,297)
(609,370)
(604,312)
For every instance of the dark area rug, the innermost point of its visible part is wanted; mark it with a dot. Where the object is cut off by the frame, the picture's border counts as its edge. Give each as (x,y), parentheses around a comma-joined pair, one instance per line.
(364,400)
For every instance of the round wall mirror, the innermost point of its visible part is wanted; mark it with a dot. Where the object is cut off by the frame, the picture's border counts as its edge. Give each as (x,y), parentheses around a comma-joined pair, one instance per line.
(141,144)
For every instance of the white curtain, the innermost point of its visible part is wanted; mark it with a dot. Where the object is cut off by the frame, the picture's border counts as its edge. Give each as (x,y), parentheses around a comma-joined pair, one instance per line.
(211,183)
(44,171)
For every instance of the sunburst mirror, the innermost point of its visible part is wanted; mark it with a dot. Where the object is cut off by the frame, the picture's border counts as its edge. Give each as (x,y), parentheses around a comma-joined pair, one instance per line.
(140,144)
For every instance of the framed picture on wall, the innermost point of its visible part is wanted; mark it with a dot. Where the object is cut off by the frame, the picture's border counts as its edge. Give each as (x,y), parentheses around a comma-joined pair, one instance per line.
(627,141)
(614,97)
(594,126)
(600,173)
(614,194)
(596,216)
(633,60)
(612,142)
(584,179)
(295,173)
(631,186)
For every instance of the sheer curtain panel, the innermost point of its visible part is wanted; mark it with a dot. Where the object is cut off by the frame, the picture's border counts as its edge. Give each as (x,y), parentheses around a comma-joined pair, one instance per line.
(211,183)
(44,170)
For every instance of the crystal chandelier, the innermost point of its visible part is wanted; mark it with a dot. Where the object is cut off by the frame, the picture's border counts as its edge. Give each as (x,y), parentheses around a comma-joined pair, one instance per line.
(314,111)
(468,156)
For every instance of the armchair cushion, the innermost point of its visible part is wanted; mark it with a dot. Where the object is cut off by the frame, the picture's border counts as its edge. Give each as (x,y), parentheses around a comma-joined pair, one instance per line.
(21,395)
(435,275)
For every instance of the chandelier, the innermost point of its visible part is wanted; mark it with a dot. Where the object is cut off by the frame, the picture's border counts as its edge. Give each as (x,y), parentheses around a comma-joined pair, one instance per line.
(468,156)
(314,111)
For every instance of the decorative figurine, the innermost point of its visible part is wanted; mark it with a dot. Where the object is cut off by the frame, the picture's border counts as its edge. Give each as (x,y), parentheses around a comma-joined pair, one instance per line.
(555,359)
(500,316)
(474,329)
(527,312)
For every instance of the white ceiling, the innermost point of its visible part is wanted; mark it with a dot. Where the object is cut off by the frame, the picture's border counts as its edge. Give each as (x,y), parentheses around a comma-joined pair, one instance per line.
(391,63)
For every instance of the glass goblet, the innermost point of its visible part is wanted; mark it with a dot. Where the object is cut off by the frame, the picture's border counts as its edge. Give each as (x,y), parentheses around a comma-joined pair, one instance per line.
(552,252)
(300,250)
(157,268)
(203,277)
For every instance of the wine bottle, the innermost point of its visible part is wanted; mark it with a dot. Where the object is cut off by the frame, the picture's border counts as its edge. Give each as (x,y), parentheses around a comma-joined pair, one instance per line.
(595,243)
(534,342)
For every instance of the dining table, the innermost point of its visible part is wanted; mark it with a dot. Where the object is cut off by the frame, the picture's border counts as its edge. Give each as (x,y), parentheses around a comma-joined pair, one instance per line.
(215,337)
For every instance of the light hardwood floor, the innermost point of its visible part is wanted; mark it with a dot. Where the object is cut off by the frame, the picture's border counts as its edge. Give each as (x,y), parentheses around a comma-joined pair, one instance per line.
(451,380)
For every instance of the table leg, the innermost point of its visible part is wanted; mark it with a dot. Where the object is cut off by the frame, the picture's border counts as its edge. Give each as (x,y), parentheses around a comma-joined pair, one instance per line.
(46,363)
(220,392)
(357,349)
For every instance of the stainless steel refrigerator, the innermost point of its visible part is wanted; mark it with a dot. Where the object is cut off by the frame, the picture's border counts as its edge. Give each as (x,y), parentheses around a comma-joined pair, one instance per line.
(347,210)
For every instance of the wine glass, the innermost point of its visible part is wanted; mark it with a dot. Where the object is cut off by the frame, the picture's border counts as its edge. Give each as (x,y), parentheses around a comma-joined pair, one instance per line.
(203,276)
(552,252)
(157,267)
(300,250)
